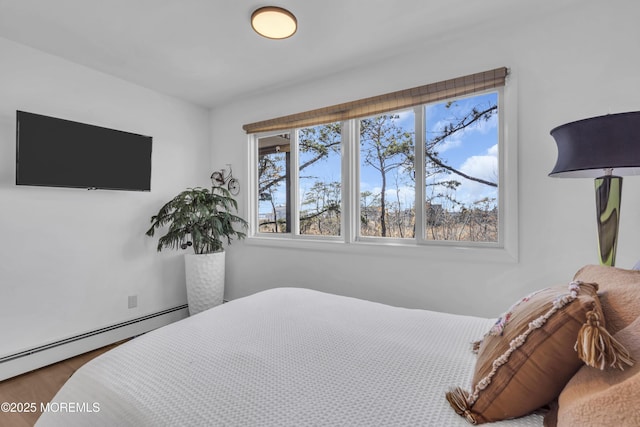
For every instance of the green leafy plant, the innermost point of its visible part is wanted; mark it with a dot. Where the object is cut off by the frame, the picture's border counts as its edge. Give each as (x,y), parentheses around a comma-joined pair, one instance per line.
(200,218)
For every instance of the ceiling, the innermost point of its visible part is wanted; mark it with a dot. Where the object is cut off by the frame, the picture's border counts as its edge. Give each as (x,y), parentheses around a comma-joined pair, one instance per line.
(205,52)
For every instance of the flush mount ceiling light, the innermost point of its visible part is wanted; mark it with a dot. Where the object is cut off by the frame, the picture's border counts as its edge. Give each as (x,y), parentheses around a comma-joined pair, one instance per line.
(274,22)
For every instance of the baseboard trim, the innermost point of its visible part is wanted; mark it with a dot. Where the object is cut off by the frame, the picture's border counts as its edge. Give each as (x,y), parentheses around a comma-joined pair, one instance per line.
(46,354)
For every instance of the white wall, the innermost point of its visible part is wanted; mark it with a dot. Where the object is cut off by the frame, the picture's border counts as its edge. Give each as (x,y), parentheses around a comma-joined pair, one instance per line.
(69,258)
(578,63)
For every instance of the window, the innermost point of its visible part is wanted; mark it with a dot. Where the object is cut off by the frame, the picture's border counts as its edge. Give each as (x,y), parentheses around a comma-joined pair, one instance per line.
(462,169)
(387,183)
(274,172)
(320,180)
(429,172)
(317,159)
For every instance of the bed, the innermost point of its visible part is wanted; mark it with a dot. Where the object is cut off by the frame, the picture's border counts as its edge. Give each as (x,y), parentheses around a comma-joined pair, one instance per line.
(297,357)
(282,357)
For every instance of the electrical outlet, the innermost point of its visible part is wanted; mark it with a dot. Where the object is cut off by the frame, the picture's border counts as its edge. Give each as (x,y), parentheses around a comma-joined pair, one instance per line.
(133,301)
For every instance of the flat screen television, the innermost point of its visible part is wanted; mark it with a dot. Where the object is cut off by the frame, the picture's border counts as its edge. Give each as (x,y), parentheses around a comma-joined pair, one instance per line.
(54,152)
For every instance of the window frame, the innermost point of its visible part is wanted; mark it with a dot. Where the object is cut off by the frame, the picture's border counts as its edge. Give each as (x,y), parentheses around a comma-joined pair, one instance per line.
(294,191)
(504,250)
(501,181)
(419,121)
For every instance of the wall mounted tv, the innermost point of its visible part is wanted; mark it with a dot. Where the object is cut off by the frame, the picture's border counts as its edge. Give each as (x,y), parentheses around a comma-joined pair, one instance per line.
(54,152)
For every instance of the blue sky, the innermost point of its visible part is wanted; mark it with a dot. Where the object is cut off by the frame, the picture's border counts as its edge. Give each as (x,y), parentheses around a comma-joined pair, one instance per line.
(473,151)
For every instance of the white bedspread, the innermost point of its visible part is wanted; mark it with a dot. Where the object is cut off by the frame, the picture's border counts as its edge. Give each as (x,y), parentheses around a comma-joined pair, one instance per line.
(283,357)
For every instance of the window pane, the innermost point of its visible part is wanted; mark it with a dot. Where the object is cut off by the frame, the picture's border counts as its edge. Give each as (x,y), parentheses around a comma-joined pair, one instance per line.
(274,215)
(320,179)
(462,169)
(387,184)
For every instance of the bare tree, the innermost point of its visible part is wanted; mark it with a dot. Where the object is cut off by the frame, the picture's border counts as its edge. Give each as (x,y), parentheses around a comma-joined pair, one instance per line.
(388,148)
(323,217)
(472,117)
(385,146)
(456,221)
(270,170)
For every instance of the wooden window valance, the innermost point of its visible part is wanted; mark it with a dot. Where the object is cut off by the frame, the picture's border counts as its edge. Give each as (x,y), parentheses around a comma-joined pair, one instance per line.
(384,103)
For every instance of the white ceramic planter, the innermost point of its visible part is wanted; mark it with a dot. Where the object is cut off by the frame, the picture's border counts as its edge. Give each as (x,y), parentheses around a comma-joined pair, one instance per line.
(205,280)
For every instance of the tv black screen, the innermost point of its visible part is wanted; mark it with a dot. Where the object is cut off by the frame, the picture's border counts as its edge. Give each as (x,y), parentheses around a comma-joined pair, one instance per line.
(55,152)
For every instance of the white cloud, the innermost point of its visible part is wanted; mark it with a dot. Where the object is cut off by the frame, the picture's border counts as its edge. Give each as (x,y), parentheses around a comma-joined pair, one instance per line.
(450,142)
(403,115)
(484,167)
(455,140)
(485,126)
(406,195)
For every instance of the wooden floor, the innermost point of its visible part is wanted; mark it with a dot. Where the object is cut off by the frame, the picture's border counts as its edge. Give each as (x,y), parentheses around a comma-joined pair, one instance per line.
(38,387)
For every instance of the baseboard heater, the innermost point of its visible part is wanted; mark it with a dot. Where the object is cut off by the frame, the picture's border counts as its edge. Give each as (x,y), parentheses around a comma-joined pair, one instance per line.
(36,357)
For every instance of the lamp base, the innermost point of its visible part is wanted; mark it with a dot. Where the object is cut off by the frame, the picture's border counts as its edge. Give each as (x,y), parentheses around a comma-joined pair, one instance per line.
(608,197)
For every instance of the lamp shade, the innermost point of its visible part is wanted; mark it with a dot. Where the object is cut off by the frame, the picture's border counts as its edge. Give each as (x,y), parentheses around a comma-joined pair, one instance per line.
(587,147)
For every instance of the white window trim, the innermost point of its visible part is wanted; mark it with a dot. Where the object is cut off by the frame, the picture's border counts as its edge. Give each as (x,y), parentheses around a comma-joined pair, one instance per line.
(505,250)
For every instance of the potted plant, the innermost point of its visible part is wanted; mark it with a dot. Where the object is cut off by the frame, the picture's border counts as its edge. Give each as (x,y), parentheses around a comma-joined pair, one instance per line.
(203,220)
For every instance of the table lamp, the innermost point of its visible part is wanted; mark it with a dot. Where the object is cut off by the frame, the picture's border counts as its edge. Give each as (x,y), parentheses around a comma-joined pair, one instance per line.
(604,148)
